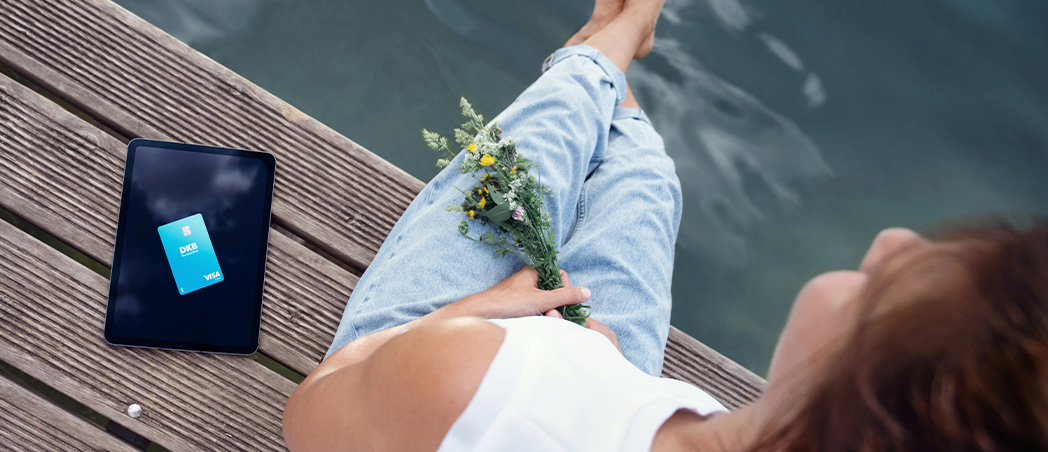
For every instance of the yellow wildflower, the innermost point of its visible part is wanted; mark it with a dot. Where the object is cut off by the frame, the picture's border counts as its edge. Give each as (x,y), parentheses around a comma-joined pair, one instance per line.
(482,203)
(470,213)
(485,189)
(472,148)
(513,170)
(487,160)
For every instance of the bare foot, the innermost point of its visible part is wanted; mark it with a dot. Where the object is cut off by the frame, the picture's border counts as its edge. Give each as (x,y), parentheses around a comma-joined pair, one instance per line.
(603,13)
(629,34)
(646,10)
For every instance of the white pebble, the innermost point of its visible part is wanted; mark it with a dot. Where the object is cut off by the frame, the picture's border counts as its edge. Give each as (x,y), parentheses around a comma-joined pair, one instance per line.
(134,410)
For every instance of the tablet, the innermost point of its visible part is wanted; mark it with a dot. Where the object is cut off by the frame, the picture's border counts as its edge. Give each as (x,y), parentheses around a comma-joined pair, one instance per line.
(190,253)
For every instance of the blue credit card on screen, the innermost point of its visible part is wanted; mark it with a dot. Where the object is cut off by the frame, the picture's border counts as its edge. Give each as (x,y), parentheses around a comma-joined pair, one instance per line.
(190,253)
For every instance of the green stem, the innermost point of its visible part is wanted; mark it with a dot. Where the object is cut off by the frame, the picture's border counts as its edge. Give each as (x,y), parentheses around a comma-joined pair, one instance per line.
(549,279)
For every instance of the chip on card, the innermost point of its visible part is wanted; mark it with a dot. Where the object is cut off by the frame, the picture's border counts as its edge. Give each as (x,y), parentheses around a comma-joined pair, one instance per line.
(190,253)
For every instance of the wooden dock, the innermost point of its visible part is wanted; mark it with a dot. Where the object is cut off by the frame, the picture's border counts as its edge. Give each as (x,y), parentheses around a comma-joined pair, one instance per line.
(83,77)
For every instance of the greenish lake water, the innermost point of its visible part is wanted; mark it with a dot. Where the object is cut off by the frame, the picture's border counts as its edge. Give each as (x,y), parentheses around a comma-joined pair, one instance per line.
(799,129)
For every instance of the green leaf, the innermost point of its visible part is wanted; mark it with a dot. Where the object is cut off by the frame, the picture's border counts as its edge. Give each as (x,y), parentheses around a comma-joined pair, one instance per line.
(499,213)
(499,199)
(488,238)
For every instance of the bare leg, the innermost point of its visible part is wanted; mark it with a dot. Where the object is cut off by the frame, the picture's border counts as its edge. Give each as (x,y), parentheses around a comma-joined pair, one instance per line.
(630,101)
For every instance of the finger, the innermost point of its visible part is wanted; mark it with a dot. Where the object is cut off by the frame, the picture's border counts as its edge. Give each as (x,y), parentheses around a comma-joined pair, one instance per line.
(564,278)
(567,295)
(554,313)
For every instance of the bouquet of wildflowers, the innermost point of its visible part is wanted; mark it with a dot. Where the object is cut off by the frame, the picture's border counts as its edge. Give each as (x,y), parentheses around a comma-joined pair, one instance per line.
(507,199)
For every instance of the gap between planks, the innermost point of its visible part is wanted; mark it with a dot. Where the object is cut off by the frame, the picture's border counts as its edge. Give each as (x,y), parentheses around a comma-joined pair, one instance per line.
(32,422)
(305,293)
(57,99)
(191,401)
(86,64)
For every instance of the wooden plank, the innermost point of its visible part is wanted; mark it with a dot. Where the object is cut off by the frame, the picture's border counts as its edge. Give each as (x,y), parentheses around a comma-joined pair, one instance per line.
(52,310)
(142,82)
(32,422)
(64,175)
(689,360)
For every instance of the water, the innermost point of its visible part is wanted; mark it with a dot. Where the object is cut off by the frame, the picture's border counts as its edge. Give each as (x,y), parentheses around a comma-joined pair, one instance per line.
(799,129)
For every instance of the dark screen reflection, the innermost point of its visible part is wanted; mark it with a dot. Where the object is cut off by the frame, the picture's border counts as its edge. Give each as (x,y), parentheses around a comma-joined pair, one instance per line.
(229,192)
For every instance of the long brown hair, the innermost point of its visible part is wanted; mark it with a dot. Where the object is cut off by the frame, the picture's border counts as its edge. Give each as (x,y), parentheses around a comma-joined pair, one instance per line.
(951,354)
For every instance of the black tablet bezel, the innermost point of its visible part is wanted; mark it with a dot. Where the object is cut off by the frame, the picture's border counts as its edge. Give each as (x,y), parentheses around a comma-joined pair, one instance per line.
(132,147)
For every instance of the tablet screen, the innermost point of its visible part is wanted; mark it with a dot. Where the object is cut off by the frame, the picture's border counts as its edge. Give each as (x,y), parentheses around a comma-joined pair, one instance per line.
(191,248)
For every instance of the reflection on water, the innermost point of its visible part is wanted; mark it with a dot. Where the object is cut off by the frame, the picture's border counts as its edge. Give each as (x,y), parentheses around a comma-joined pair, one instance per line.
(489,34)
(197,21)
(799,128)
(724,142)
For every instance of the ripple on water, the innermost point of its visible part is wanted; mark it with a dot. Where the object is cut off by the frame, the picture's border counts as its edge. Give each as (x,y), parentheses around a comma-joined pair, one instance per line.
(725,142)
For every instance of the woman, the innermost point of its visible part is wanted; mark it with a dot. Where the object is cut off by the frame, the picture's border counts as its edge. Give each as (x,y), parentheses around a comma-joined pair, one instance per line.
(929,346)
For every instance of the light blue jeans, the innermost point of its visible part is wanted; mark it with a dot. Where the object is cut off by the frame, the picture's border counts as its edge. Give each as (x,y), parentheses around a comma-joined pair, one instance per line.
(616,206)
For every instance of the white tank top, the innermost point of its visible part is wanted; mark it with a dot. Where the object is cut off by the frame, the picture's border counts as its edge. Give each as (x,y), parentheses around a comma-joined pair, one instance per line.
(555,386)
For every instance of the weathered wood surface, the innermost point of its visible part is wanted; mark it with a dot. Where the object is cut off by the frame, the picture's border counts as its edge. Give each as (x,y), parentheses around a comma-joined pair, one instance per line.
(51,317)
(142,82)
(61,173)
(31,422)
(689,360)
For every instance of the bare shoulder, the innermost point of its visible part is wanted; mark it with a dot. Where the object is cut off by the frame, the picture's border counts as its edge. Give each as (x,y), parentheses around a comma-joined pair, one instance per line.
(405,396)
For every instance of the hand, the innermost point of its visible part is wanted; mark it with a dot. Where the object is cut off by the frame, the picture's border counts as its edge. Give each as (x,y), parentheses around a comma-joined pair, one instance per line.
(595,326)
(519,296)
